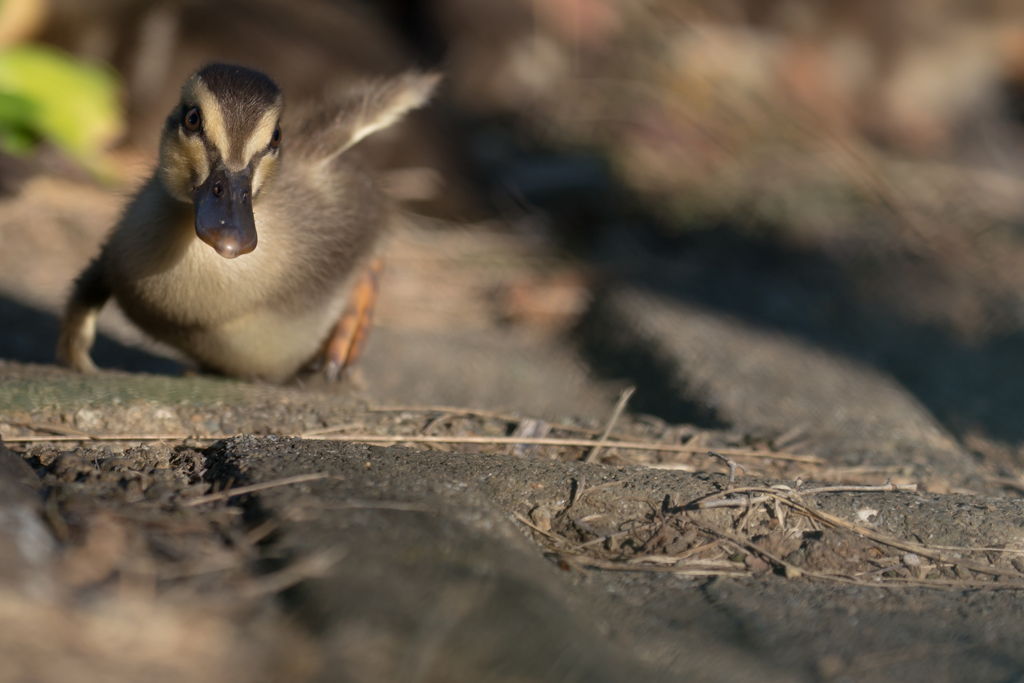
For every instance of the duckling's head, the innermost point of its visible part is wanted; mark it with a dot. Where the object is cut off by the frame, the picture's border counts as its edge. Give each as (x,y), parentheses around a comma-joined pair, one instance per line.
(218,149)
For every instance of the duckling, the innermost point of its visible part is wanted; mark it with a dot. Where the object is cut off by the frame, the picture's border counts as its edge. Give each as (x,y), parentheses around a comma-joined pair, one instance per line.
(254,252)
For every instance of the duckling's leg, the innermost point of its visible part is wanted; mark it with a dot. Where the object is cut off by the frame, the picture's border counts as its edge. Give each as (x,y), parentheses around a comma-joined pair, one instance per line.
(79,328)
(346,342)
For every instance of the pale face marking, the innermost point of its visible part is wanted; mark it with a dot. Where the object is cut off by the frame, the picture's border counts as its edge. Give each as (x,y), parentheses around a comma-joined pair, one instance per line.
(195,153)
(260,137)
(213,122)
(262,170)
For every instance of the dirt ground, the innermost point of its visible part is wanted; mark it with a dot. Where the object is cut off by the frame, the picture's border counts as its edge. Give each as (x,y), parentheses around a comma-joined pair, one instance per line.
(276,557)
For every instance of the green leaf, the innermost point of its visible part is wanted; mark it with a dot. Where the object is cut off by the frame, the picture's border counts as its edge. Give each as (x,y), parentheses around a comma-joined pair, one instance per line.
(16,116)
(50,94)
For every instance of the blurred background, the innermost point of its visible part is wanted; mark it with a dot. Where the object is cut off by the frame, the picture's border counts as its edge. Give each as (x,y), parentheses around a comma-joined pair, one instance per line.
(605,192)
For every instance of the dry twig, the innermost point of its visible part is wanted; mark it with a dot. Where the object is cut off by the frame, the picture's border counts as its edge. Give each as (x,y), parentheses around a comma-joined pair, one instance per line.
(109,437)
(731,464)
(311,567)
(626,445)
(780,498)
(783,496)
(64,434)
(619,407)
(707,502)
(316,435)
(252,488)
(679,570)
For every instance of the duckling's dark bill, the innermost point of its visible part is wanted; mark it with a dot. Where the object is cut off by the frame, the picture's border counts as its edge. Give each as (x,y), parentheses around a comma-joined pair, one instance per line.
(223,207)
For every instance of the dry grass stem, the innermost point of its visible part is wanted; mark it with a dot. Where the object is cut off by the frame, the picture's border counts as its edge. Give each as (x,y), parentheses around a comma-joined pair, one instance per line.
(731,464)
(792,571)
(557,539)
(252,488)
(961,548)
(659,569)
(626,445)
(619,407)
(50,428)
(783,497)
(462,412)
(709,501)
(677,539)
(311,567)
(327,434)
(444,409)
(110,437)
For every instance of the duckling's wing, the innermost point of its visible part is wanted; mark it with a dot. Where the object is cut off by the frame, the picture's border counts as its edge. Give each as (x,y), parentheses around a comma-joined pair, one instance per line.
(321,131)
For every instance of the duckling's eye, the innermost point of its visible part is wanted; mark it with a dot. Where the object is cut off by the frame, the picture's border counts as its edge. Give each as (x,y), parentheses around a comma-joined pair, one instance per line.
(275,140)
(192,119)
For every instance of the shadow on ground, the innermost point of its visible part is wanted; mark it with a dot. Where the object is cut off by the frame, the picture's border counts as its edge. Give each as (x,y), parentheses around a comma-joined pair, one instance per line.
(821,298)
(30,336)
(865,300)
(613,352)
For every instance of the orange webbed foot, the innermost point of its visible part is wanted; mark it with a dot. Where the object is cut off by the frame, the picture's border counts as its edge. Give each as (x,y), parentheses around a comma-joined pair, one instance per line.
(346,342)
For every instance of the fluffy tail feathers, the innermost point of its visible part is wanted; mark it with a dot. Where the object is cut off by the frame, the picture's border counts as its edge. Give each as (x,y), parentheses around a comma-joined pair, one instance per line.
(323,131)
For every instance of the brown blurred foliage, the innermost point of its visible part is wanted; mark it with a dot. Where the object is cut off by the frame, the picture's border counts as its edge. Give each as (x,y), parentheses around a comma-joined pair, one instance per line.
(907,74)
(715,95)
(703,105)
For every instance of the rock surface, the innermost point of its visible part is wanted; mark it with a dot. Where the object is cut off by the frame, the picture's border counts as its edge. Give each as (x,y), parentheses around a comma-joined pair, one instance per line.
(764,381)
(361,563)
(26,545)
